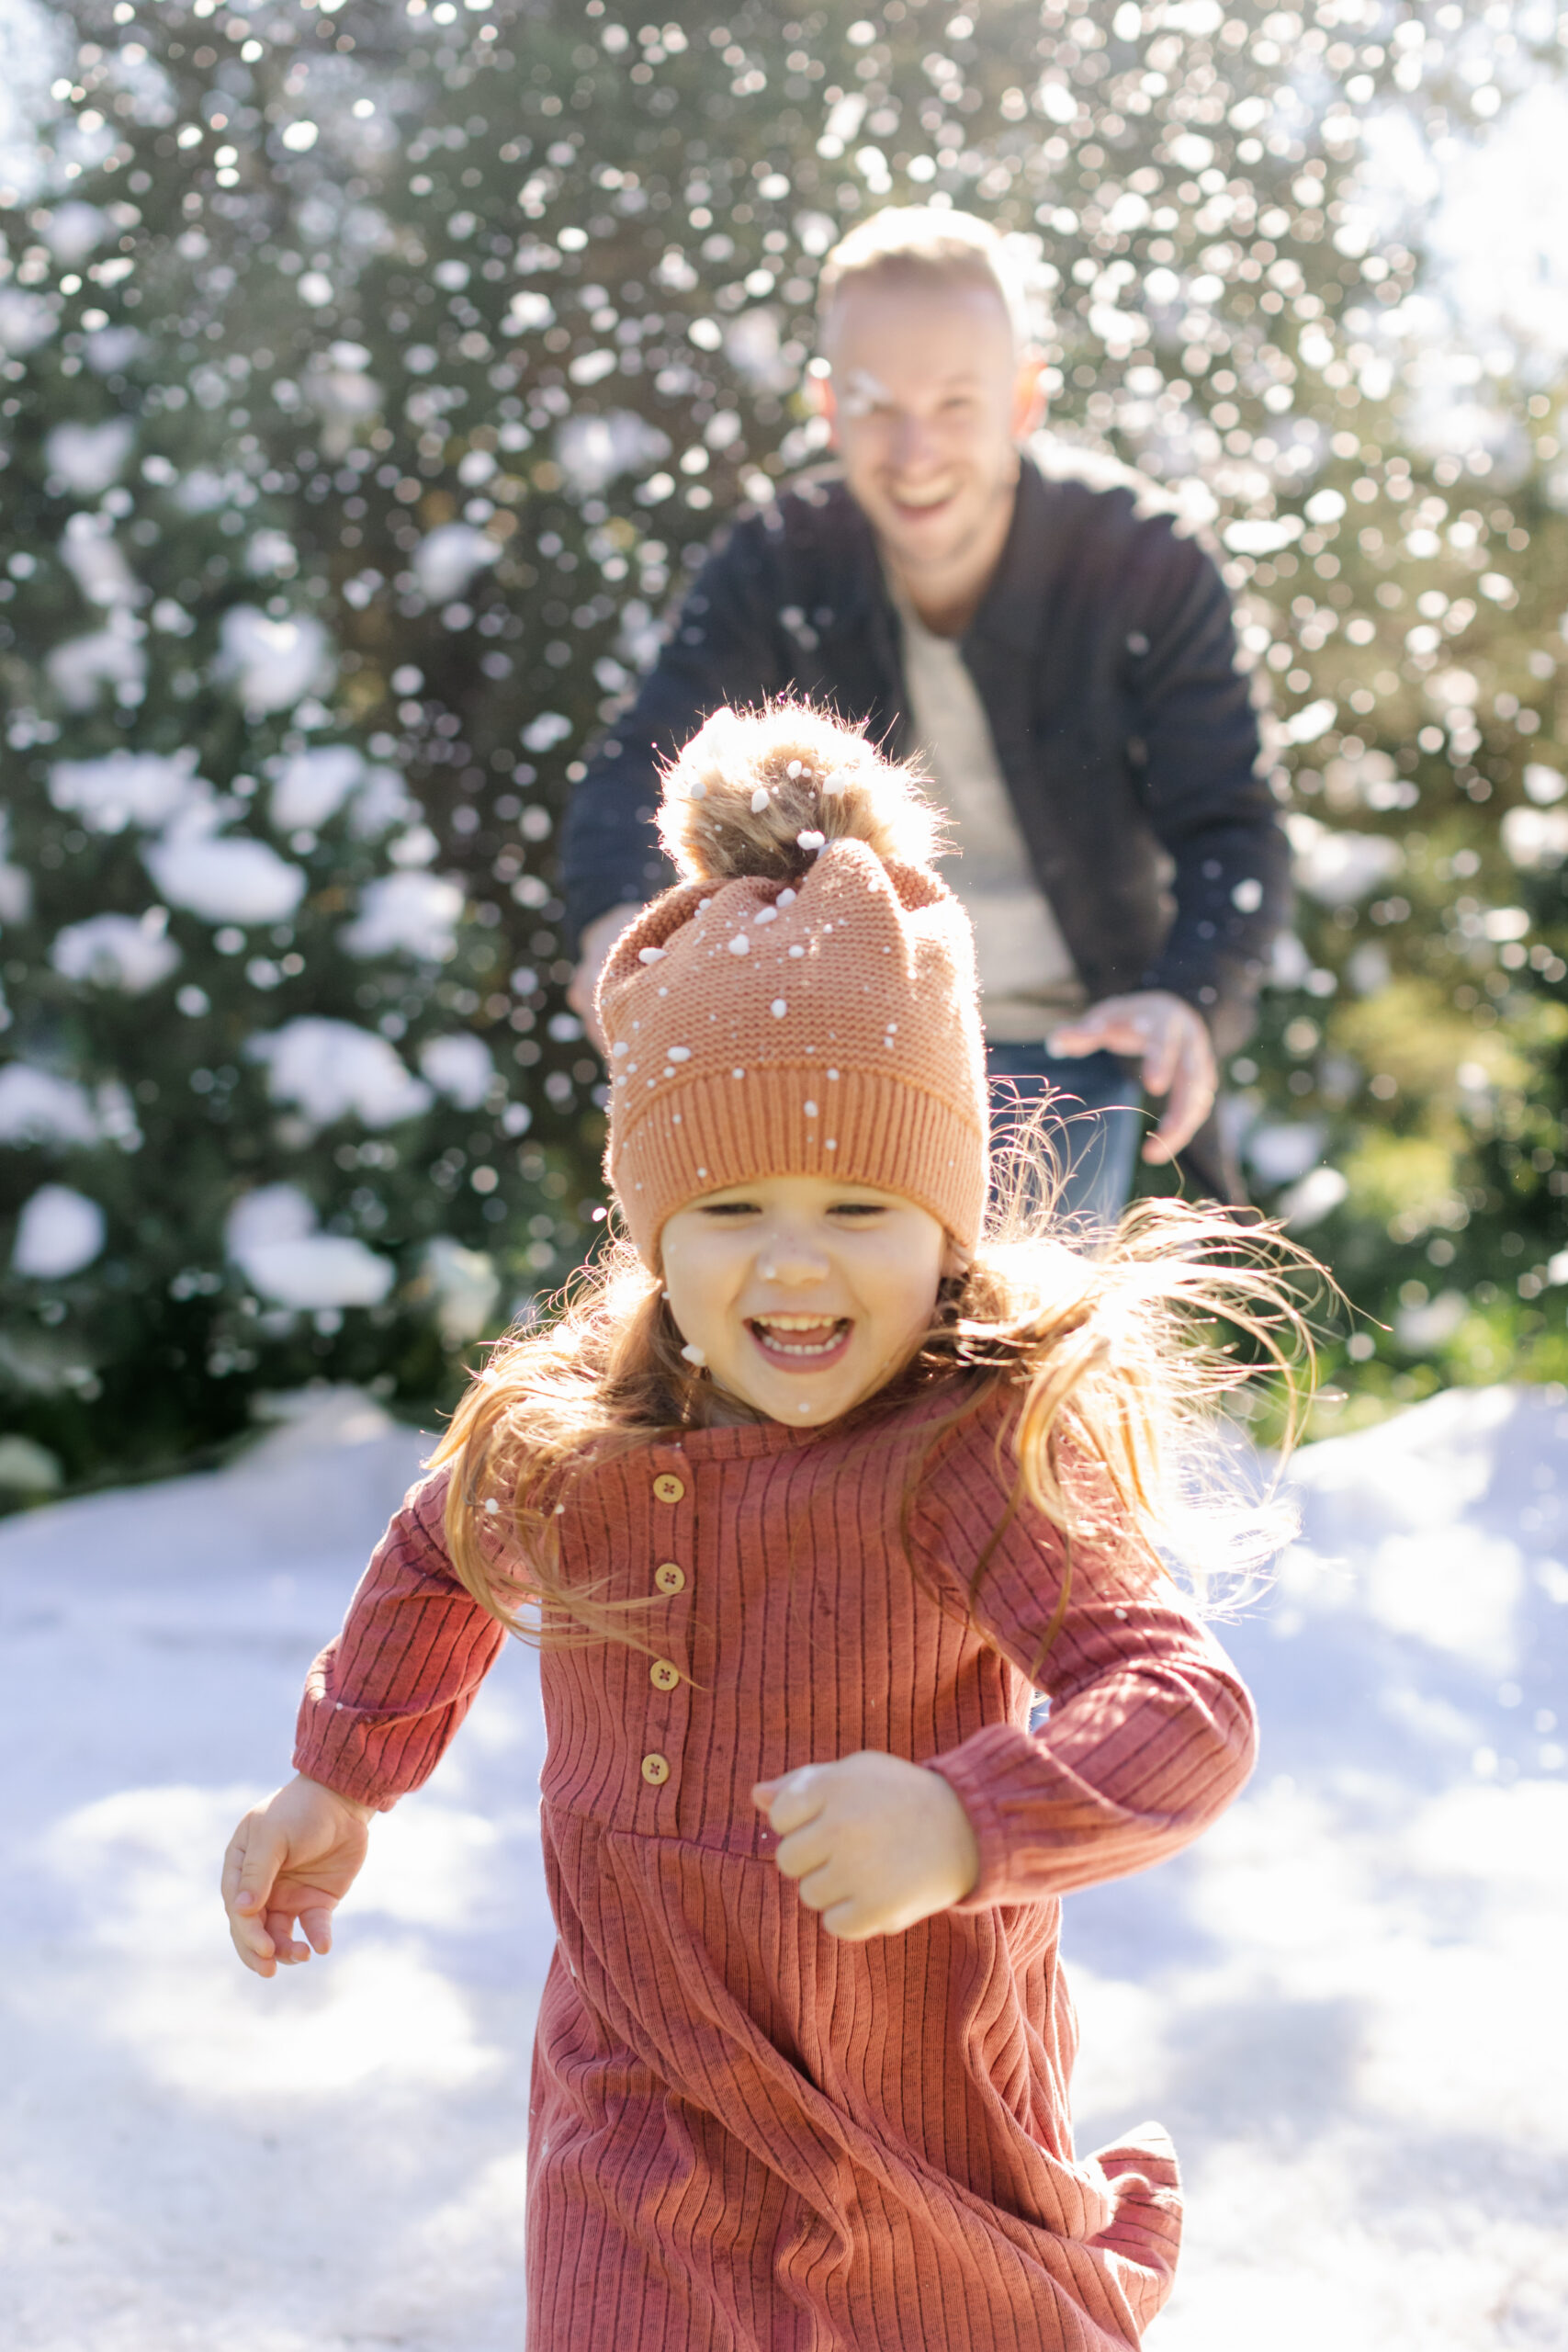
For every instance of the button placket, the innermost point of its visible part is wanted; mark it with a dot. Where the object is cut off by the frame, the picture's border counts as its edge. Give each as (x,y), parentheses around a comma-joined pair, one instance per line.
(667,1714)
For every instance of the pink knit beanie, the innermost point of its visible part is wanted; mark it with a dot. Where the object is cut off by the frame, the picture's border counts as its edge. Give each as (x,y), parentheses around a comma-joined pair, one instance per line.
(805,1002)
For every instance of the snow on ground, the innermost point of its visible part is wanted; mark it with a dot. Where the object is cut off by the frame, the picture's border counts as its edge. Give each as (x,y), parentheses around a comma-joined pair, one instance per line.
(1342,2002)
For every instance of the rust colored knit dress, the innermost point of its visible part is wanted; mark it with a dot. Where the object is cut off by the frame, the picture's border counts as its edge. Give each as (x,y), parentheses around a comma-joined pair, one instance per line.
(746,2136)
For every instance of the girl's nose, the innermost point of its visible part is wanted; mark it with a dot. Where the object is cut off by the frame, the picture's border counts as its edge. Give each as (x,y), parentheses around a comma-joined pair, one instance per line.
(790,1258)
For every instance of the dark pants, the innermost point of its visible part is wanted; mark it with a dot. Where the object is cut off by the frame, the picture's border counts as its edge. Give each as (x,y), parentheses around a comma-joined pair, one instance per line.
(1099,1111)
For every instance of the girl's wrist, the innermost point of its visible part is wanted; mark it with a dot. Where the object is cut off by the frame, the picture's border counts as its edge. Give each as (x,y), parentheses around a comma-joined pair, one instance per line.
(354,1806)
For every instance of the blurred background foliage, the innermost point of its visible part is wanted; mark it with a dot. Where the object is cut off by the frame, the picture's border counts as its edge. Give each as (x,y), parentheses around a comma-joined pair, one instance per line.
(373,377)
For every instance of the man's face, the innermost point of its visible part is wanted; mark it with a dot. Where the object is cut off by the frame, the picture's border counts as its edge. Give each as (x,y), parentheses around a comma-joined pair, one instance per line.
(927,397)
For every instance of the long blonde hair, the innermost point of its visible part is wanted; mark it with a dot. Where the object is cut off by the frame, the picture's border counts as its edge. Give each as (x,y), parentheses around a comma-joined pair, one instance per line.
(1113,1356)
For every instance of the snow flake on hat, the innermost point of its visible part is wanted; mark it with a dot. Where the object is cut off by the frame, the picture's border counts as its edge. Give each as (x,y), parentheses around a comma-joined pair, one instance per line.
(778,1008)
(740,944)
(678,1053)
(810,1109)
(651,955)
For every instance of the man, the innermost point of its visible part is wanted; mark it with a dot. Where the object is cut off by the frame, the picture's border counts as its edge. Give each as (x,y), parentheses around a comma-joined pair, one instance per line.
(1037,630)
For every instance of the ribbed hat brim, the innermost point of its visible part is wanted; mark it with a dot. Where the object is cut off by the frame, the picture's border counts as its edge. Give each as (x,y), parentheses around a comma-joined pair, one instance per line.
(715,1130)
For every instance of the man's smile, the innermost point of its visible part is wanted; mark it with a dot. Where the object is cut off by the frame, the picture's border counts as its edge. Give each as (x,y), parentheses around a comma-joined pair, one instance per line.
(920,500)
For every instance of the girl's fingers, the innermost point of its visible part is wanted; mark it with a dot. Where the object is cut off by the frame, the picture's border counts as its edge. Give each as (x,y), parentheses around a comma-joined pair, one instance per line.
(234,1865)
(317,1927)
(847,1921)
(251,1864)
(280,1928)
(806,1848)
(251,1940)
(792,1801)
(253,1945)
(825,1885)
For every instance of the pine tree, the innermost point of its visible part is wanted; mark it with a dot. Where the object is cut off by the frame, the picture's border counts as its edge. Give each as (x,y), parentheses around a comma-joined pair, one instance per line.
(469,324)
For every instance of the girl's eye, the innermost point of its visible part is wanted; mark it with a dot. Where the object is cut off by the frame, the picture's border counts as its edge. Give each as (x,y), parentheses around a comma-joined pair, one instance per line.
(859,1208)
(730,1209)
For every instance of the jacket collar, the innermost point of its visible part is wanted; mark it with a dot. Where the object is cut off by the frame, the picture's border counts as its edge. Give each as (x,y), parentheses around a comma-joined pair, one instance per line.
(1008,611)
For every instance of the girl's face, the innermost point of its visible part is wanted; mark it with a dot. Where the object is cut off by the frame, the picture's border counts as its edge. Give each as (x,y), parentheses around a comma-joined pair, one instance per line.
(803,1295)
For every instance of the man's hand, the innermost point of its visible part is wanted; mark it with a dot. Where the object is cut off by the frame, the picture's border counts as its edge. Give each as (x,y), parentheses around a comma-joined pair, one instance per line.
(294,1858)
(593,954)
(877,1843)
(1172,1042)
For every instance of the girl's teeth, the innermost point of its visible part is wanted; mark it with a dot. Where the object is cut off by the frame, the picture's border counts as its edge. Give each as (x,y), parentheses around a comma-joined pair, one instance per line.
(776,1339)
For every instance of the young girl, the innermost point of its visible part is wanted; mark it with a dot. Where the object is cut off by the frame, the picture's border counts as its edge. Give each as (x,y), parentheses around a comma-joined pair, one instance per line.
(804,1495)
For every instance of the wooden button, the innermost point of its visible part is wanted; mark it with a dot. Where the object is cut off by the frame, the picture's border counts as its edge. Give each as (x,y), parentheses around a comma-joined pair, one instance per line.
(656,1770)
(670,1577)
(663,1675)
(668,1488)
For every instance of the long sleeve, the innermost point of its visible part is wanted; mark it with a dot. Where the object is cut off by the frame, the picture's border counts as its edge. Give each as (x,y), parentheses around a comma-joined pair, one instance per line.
(385,1697)
(1209,808)
(1151,1732)
(723,648)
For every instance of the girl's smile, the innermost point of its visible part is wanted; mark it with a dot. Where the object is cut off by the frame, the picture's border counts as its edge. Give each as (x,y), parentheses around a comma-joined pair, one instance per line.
(800,1295)
(801,1342)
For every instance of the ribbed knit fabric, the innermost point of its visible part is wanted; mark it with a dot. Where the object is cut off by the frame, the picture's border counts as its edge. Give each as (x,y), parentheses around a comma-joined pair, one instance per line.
(746,2136)
(831,1029)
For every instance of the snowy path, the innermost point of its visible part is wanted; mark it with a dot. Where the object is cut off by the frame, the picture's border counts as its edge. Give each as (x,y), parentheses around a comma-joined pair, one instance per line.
(1347,2003)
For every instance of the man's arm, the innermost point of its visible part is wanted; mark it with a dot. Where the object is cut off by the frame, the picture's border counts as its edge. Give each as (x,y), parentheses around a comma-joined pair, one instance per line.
(1207,803)
(724,648)
(593,947)
(1215,814)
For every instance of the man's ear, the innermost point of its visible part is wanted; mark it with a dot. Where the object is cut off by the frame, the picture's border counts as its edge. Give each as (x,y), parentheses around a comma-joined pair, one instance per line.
(1028,395)
(820,394)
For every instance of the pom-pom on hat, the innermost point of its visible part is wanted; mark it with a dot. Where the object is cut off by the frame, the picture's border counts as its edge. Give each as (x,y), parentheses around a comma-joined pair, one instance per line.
(804,1001)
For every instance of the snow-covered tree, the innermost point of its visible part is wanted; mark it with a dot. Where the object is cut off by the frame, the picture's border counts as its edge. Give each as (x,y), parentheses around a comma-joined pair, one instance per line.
(260,1115)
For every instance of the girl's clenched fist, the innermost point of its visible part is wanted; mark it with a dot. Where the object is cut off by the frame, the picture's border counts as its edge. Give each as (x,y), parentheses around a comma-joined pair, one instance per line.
(875,1843)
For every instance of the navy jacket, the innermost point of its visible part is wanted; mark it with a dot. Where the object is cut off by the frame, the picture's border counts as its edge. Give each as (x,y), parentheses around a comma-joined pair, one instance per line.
(1105,657)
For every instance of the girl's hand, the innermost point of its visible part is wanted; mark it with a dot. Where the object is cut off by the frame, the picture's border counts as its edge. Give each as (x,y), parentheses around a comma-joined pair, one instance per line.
(293,1857)
(877,1843)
